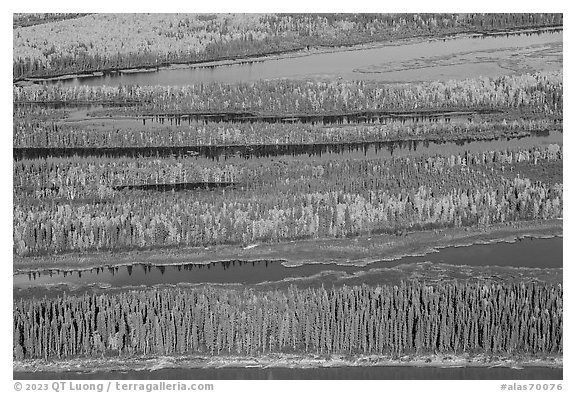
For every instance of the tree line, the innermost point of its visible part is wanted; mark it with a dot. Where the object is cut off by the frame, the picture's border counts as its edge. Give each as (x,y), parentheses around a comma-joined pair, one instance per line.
(413,318)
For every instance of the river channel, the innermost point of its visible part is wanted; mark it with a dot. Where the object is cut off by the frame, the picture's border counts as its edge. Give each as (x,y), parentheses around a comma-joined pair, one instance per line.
(526,253)
(416,60)
(374,373)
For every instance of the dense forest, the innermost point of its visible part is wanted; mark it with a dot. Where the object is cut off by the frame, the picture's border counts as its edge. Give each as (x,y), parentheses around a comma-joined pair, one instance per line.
(77,205)
(98,203)
(541,93)
(411,318)
(101,42)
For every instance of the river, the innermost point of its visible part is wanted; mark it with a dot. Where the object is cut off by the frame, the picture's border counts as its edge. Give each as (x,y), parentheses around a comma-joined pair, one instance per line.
(527,253)
(374,373)
(440,59)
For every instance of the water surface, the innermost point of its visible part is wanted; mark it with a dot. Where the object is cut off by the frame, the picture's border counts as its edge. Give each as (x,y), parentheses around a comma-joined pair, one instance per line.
(531,253)
(374,373)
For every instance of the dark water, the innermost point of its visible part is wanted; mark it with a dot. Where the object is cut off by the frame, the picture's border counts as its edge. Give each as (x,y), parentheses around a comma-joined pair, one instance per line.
(164,187)
(378,373)
(365,150)
(453,59)
(363,117)
(532,253)
(78,111)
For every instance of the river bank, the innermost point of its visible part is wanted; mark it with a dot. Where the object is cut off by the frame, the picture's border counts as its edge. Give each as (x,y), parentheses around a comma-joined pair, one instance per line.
(359,251)
(148,363)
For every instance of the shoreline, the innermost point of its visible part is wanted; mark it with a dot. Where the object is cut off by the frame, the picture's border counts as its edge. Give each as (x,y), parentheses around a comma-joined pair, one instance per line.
(288,54)
(301,361)
(359,251)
